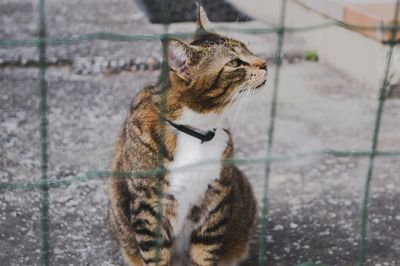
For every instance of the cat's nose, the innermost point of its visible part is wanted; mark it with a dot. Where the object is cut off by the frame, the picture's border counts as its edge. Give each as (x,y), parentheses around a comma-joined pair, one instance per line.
(261,64)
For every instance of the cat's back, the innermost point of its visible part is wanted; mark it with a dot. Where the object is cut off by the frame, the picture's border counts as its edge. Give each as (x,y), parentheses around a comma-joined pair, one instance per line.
(144,100)
(137,133)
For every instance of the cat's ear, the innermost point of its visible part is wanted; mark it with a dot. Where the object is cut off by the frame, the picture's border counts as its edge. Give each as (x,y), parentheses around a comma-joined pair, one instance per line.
(202,18)
(203,23)
(178,56)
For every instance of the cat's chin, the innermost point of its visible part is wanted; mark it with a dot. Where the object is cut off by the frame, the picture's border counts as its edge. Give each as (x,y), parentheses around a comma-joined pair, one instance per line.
(262,84)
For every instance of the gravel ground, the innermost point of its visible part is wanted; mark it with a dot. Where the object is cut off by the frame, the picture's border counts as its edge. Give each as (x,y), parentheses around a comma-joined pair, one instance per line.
(69,18)
(314,201)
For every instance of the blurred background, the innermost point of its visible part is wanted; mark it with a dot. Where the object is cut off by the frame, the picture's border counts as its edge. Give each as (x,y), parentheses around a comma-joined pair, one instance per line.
(328,94)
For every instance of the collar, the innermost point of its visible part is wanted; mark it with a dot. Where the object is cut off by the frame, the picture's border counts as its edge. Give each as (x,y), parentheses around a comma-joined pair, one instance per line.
(196,133)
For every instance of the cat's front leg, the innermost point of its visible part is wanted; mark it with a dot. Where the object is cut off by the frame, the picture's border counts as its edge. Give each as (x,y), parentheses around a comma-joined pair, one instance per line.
(154,241)
(204,254)
(206,241)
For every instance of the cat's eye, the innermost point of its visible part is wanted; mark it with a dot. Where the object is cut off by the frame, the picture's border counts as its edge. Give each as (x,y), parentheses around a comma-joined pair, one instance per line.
(236,63)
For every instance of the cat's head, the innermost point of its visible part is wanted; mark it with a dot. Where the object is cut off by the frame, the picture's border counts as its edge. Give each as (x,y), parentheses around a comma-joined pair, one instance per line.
(212,71)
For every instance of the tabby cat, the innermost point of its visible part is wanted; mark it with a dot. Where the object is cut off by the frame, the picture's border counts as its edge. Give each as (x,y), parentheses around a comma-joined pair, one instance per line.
(208,213)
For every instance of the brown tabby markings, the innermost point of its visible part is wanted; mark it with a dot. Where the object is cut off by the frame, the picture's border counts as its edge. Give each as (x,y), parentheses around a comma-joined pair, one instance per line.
(203,75)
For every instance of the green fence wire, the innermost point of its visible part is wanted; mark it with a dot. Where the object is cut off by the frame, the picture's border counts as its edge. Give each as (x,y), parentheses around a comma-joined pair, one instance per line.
(109,36)
(99,175)
(375,139)
(164,82)
(264,213)
(44,184)
(43,133)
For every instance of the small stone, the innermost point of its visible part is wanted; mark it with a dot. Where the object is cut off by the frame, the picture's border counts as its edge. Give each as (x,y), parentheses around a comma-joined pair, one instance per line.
(152,63)
(121,63)
(375,221)
(293,225)
(128,65)
(57,251)
(105,64)
(330,161)
(63,199)
(390,186)
(133,68)
(10,126)
(113,64)
(278,227)
(71,203)
(24,61)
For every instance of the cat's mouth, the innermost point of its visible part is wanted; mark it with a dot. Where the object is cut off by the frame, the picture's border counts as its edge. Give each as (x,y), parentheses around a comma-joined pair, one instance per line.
(262,84)
(256,87)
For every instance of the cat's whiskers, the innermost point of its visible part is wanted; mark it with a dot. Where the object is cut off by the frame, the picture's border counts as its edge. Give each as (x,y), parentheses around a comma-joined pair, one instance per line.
(242,101)
(248,95)
(228,98)
(237,109)
(243,105)
(248,91)
(233,99)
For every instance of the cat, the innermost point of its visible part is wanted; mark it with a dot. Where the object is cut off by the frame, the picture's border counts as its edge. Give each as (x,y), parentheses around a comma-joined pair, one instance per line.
(208,212)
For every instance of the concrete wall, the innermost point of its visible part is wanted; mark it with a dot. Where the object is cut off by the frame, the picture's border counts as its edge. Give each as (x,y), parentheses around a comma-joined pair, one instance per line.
(348,51)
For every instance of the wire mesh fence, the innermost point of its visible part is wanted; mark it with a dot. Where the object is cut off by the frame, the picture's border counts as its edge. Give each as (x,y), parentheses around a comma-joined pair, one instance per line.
(45,185)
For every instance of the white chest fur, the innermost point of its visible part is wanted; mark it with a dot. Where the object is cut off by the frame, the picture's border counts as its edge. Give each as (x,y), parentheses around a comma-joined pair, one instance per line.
(189,184)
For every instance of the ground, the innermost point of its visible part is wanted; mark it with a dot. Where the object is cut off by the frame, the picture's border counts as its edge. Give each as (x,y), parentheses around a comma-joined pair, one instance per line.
(314,200)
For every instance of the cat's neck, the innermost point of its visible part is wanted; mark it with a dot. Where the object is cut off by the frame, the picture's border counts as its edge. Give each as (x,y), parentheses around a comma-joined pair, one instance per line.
(201,121)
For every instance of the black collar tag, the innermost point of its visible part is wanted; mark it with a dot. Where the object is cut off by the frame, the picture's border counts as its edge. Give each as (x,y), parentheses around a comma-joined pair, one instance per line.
(203,136)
